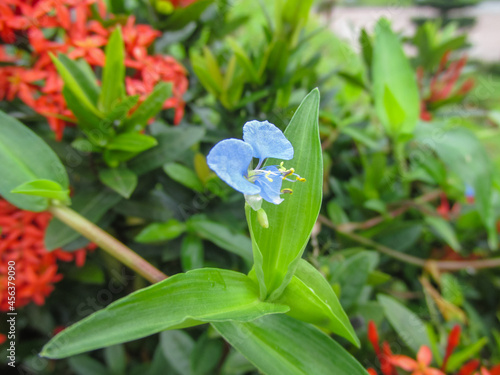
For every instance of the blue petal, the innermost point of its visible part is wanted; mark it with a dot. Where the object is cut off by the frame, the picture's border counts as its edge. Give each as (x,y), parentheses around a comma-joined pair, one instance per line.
(230,159)
(267,141)
(270,191)
(469,191)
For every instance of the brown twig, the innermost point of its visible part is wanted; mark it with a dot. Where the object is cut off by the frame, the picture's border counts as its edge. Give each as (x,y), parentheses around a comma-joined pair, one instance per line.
(442,265)
(428,197)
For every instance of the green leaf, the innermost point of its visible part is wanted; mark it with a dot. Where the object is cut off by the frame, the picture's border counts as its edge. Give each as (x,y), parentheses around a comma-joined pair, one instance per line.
(91,205)
(26,157)
(313,300)
(192,254)
(220,235)
(177,347)
(183,175)
(171,144)
(367,49)
(206,355)
(460,357)
(132,142)
(183,300)
(121,180)
(98,130)
(243,59)
(278,249)
(116,359)
(182,16)
(395,114)
(85,365)
(336,213)
(283,345)
(113,75)
(43,188)
(464,155)
(406,324)
(158,232)
(121,108)
(392,72)
(444,230)
(148,108)
(352,276)
(81,84)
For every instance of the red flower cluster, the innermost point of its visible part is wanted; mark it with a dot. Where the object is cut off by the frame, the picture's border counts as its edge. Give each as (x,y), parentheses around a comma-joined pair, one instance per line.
(442,85)
(389,362)
(21,241)
(35,28)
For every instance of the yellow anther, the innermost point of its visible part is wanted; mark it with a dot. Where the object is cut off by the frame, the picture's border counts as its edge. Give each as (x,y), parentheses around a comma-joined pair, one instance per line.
(289,172)
(287,191)
(269,178)
(301,179)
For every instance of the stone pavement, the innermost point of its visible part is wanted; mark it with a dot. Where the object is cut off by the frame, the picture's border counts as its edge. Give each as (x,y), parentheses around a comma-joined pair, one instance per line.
(484,36)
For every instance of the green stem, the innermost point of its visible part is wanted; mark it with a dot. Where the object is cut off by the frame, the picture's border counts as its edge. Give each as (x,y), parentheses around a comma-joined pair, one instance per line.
(400,157)
(107,242)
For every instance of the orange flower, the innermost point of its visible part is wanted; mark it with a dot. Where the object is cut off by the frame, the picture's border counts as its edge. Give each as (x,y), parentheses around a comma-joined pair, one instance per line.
(453,341)
(418,367)
(84,38)
(22,241)
(383,355)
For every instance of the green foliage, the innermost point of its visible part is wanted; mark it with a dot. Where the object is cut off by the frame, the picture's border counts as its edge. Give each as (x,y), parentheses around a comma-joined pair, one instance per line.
(29,166)
(395,89)
(282,345)
(204,295)
(397,198)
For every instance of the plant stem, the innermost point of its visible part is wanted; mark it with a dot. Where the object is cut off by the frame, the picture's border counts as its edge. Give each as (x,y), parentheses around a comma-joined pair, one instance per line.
(107,242)
(351,226)
(402,167)
(442,265)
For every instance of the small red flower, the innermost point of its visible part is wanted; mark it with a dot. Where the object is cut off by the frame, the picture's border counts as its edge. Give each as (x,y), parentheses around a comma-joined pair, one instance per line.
(383,355)
(453,341)
(36,270)
(418,367)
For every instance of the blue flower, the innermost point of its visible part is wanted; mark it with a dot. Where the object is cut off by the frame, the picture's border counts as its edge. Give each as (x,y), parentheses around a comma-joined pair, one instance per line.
(232,160)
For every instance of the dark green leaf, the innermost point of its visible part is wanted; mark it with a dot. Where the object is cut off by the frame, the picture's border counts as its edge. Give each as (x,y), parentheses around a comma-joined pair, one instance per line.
(116,359)
(149,108)
(184,15)
(85,365)
(444,230)
(220,235)
(26,157)
(121,180)
(192,253)
(158,232)
(406,323)
(206,355)
(183,175)
(177,347)
(171,144)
